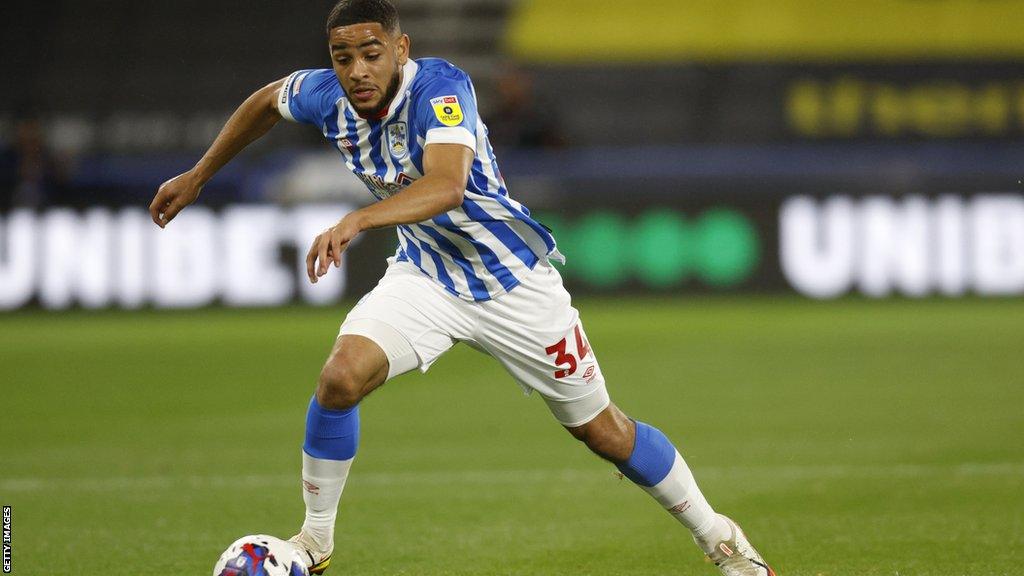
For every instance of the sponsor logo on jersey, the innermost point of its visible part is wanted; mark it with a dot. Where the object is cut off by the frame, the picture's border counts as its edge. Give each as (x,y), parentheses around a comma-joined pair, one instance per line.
(447,110)
(347,144)
(382,189)
(398,139)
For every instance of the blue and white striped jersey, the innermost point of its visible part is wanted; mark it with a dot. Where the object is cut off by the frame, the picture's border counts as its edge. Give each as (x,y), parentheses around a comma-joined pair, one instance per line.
(477,251)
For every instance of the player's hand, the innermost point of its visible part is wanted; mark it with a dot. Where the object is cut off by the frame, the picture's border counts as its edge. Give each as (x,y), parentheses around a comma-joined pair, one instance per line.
(173,196)
(329,244)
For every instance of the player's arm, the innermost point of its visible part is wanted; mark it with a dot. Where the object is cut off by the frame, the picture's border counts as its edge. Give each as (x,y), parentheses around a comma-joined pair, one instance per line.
(254,118)
(446,170)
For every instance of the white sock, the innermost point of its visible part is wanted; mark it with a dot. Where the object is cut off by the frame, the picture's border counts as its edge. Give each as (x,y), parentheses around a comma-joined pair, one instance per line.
(322,484)
(678,493)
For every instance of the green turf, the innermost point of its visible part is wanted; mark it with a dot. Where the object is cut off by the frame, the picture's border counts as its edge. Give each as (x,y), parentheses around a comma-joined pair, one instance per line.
(849,438)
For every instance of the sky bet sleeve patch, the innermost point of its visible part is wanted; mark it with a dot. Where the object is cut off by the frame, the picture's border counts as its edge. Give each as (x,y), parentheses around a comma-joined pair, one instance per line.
(447,110)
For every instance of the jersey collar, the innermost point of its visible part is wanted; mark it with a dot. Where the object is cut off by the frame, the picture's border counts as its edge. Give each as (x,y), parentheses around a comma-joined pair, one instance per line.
(408,73)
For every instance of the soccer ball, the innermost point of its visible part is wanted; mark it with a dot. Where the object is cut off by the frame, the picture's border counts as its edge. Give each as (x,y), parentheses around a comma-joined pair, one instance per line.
(260,555)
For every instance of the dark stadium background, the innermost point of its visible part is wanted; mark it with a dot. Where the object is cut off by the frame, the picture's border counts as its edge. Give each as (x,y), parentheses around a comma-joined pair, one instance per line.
(811,212)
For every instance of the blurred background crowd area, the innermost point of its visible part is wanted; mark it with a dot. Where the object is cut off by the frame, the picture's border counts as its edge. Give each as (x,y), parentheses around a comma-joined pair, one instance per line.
(827,147)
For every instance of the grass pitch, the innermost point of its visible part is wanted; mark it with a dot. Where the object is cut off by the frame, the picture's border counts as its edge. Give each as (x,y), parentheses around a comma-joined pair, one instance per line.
(848,438)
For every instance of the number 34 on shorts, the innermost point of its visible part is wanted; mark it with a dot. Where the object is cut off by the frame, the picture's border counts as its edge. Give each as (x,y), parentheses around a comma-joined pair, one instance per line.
(569,360)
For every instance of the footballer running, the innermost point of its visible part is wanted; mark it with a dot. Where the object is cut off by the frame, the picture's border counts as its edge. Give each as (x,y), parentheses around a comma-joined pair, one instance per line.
(471,266)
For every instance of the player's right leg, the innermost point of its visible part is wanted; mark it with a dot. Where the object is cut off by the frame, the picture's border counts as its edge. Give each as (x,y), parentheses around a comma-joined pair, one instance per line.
(356,366)
(406,322)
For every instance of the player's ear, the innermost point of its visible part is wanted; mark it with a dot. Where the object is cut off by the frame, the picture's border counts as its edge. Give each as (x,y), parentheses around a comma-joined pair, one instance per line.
(403,49)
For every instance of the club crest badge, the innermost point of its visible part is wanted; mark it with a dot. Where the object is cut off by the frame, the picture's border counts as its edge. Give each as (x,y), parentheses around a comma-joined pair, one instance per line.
(398,139)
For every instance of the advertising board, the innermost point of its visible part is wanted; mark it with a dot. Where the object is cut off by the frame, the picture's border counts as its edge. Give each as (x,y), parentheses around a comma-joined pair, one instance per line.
(819,245)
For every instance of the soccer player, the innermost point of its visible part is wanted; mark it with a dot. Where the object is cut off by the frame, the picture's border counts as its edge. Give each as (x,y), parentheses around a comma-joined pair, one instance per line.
(472,266)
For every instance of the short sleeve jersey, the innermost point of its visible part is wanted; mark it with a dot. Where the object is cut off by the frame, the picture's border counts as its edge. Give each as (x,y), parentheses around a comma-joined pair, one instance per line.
(476,251)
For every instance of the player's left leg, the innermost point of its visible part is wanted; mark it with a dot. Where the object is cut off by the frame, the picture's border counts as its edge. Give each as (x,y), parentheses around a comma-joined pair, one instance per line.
(645,455)
(536,334)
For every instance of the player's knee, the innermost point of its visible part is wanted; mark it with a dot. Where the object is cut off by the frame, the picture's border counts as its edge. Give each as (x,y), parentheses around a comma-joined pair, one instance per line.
(338,387)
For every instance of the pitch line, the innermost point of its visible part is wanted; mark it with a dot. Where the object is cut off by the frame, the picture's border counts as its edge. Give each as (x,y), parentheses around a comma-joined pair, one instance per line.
(784,472)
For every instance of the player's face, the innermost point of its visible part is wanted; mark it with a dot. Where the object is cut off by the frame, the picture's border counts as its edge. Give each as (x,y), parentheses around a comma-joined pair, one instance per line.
(368,61)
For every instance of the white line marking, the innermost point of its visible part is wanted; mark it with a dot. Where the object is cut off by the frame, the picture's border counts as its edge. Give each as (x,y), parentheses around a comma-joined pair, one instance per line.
(787,472)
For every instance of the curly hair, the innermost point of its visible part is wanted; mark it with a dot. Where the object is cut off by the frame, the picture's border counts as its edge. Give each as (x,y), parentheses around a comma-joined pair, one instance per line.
(347,12)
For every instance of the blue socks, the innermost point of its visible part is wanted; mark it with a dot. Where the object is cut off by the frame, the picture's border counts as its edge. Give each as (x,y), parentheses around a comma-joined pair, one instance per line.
(652,458)
(331,434)
(332,437)
(657,468)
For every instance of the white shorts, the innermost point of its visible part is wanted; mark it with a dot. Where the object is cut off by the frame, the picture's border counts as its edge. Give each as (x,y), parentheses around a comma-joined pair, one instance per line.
(533,330)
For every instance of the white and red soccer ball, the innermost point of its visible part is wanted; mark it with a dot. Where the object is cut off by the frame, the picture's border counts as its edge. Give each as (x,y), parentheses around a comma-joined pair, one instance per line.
(260,555)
